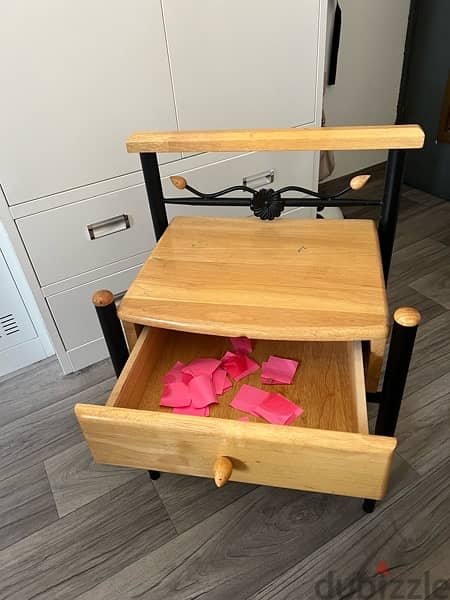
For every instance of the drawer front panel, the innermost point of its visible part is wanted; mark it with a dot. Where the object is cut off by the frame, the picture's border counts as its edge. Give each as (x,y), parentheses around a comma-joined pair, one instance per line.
(348,464)
(74,313)
(79,237)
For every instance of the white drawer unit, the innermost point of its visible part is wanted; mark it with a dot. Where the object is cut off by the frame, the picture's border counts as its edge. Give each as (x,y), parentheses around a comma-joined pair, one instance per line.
(75,315)
(244,64)
(77,77)
(78,237)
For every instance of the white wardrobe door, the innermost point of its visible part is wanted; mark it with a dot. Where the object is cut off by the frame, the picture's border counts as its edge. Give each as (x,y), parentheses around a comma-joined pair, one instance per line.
(77,78)
(243,64)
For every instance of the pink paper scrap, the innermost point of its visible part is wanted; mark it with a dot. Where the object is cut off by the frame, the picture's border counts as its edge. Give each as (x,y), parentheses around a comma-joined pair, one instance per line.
(278,370)
(202,391)
(191,410)
(278,410)
(175,374)
(238,365)
(220,381)
(297,412)
(248,398)
(241,345)
(175,395)
(201,366)
(274,408)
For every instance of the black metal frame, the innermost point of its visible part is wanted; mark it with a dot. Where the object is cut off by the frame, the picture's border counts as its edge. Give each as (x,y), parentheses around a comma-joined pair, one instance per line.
(113,334)
(402,340)
(391,395)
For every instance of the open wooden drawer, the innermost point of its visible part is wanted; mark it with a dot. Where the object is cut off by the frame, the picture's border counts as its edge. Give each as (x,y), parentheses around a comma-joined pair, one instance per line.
(328,449)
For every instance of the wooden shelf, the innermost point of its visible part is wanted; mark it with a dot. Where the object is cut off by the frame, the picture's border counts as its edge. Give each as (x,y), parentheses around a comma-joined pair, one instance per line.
(329,383)
(290,279)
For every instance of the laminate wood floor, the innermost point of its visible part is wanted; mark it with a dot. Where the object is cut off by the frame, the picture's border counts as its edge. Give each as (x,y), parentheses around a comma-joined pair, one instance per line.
(70,529)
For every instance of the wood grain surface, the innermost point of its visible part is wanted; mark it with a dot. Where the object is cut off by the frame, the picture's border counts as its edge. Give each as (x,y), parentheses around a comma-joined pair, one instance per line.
(328,385)
(376,137)
(336,462)
(291,279)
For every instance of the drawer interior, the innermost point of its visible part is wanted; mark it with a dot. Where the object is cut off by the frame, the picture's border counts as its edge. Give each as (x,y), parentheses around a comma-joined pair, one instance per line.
(329,383)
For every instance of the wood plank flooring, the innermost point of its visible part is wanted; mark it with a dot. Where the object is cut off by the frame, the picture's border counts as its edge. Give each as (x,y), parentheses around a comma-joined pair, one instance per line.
(70,529)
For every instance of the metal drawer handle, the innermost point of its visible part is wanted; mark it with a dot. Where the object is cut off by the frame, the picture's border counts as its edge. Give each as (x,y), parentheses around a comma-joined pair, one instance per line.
(254,180)
(108,226)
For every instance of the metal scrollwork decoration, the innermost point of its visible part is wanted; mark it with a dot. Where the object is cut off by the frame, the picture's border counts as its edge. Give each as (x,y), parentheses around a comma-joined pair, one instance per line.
(268,204)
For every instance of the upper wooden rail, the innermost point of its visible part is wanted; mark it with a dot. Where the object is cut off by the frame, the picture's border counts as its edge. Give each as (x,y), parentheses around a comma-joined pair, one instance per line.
(378,137)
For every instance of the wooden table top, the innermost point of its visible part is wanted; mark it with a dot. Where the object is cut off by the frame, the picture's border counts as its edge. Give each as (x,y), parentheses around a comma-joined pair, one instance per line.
(289,279)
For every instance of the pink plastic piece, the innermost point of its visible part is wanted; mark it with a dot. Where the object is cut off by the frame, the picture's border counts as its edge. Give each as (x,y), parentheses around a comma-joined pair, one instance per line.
(220,381)
(175,395)
(175,374)
(202,391)
(239,365)
(298,411)
(277,409)
(201,366)
(248,398)
(191,410)
(241,345)
(278,370)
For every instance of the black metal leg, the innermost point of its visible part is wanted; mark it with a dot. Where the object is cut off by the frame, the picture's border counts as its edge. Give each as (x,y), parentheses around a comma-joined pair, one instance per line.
(112,329)
(369,505)
(406,321)
(154,475)
(152,178)
(389,212)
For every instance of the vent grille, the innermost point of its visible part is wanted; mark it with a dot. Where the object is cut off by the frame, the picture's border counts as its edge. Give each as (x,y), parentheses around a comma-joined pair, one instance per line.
(9,324)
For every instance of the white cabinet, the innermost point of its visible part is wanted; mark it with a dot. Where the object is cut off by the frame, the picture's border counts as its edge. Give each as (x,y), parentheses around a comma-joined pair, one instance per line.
(23,338)
(86,235)
(15,324)
(73,311)
(242,64)
(77,78)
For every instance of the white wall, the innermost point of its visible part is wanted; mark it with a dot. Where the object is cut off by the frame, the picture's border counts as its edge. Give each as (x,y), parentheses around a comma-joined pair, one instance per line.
(369,71)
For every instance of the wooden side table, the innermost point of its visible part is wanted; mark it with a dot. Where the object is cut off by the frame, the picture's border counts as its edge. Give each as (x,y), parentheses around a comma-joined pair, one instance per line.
(313,290)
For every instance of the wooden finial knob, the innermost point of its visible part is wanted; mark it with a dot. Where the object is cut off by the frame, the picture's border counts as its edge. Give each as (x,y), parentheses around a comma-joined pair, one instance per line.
(358,182)
(223,468)
(407,316)
(103,298)
(178,182)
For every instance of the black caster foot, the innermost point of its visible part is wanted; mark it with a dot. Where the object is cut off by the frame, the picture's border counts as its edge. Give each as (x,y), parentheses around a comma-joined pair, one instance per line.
(154,475)
(369,505)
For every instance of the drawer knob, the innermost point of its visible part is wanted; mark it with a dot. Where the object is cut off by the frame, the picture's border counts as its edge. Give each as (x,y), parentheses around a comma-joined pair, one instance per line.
(358,182)
(179,182)
(222,470)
